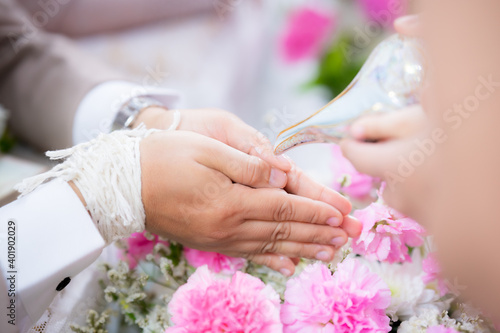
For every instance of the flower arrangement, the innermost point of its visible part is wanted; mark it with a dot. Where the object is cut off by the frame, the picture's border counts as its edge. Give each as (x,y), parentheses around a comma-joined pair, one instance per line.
(386,280)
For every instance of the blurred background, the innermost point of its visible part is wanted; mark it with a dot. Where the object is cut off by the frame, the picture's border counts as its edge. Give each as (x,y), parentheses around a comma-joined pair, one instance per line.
(272,63)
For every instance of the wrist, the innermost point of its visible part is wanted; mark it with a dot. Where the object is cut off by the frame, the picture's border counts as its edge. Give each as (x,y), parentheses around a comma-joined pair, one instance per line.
(155,117)
(129,112)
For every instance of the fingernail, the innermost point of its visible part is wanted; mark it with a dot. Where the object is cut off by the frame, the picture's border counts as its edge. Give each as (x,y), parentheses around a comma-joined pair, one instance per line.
(323,256)
(258,150)
(407,20)
(285,272)
(357,131)
(286,157)
(283,159)
(338,241)
(277,178)
(333,221)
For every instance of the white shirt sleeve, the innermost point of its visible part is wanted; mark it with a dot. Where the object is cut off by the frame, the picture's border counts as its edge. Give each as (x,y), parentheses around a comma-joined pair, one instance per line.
(98,108)
(46,238)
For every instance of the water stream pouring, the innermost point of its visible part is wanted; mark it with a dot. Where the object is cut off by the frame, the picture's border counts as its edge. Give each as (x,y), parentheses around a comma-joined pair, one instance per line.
(389,80)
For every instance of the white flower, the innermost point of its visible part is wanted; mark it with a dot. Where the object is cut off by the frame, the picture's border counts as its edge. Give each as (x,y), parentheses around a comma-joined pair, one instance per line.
(419,324)
(433,317)
(409,295)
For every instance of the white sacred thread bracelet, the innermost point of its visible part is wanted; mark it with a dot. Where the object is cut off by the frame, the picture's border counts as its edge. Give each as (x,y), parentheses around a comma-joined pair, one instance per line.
(107,171)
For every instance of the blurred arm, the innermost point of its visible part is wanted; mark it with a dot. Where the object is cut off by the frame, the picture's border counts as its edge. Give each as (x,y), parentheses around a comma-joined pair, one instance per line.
(43,78)
(85,17)
(465,183)
(97,110)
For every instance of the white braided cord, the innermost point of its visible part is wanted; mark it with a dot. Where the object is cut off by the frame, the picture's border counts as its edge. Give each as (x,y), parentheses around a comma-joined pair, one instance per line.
(107,172)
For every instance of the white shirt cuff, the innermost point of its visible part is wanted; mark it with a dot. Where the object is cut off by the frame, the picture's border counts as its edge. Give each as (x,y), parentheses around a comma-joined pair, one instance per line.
(98,108)
(53,239)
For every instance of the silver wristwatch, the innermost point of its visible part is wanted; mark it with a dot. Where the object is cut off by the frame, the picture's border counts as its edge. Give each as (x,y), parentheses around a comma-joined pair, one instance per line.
(130,110)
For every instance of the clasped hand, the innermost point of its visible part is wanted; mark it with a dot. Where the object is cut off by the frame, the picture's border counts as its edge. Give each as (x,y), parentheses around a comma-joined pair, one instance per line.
(215,185)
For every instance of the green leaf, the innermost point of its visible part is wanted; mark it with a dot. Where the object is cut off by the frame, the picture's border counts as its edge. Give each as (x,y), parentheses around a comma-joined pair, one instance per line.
(7,141)
(175,253)
(339,65)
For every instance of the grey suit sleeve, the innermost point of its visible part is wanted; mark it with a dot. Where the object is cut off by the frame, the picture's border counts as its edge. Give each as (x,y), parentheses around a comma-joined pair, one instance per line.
(43,78)
(84,17)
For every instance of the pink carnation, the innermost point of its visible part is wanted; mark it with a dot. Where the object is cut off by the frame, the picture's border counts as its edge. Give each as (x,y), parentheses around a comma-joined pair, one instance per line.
(386,234)
(383,12)
(347,179)
(431,268)
(441,329)
(305,33)
(352,300)
(216,262)
(138,247)
(207,303)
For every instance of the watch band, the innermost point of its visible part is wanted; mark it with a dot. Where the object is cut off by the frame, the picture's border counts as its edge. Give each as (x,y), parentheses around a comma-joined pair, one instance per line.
(129,111)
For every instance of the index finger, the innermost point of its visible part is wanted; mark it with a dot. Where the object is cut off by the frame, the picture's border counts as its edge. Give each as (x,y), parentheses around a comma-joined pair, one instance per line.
(247,139)
(240,167)
(409,25)
(301,184)
(267,204)
(374,159)
(389,125)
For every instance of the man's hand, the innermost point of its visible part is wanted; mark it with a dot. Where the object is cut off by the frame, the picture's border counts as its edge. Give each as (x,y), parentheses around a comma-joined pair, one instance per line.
(227,128)
(193,190)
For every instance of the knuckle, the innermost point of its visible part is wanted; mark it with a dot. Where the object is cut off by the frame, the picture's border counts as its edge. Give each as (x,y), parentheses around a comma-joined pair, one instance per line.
(318,237)
(282,231)
(285,211)
(322,195)
(224,212)
(269,247)
(253,168)
(265,260)
(262,139)
(315,215)
(268,261)
(218,235)
(301,250)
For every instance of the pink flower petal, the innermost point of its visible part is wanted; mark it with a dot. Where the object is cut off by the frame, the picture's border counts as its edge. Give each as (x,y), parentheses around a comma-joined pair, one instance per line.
(386,234)
(352,300)
(305,32)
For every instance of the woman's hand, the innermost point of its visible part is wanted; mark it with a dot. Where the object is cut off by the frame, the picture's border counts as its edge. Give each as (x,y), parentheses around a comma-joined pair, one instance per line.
(382,142)
(192,193)
(220,125)
(409,25)
(380,138)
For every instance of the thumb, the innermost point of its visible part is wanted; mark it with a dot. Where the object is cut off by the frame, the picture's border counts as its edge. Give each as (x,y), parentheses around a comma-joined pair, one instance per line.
(243,168)
(248,140)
